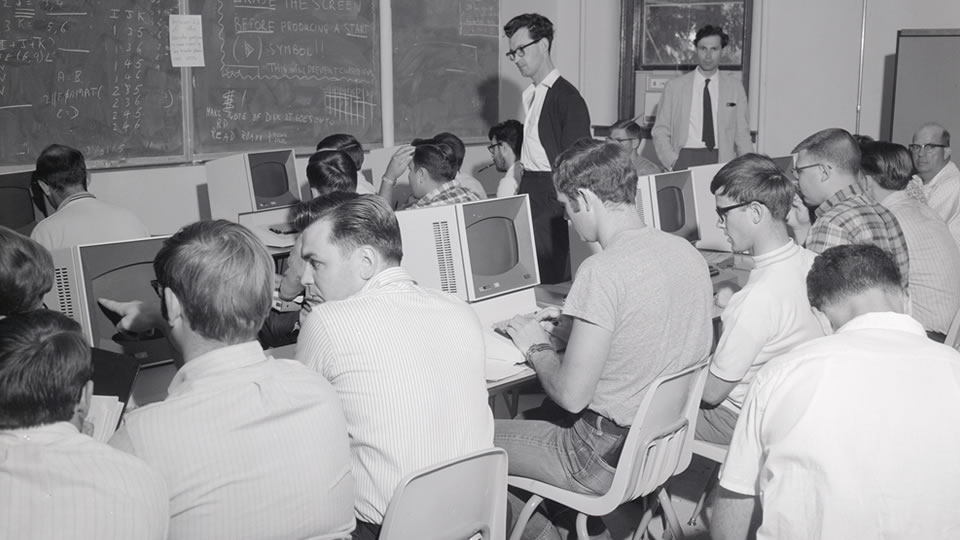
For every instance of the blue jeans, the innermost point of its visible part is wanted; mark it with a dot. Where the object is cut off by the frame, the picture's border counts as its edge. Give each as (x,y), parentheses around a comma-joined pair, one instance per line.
(561,449)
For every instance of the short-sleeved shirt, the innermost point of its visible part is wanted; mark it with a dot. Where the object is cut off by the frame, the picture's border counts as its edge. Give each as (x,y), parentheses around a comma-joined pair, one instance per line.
(850,216)
(652,291)
(768,317)
(83,219)
(934,262)
(853,436)
(448,193)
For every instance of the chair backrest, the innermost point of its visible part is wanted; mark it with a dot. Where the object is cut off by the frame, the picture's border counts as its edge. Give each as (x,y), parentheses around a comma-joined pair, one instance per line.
(953,335)
(457,499)
(658,445)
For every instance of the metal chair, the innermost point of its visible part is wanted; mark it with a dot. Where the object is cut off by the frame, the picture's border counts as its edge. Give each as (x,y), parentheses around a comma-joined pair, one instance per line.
(464,498)
(657,447)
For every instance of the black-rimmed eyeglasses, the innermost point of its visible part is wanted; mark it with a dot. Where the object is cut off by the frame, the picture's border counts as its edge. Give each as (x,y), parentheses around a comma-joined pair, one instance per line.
(925,148)
(513,54)
(157,288)
(722,211)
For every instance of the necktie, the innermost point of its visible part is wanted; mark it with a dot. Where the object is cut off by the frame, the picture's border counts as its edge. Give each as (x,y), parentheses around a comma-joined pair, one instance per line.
(708,139)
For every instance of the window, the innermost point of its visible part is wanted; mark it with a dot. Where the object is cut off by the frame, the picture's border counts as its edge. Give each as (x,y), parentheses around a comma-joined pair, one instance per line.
(669,26)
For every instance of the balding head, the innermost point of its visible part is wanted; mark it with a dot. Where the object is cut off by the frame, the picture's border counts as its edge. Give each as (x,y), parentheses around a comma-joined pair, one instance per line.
(930,150)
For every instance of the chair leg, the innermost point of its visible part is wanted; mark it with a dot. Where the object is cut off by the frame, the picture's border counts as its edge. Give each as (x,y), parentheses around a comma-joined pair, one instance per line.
(673,523)
(711,482)
(650,505)
(582,533)
(528,510)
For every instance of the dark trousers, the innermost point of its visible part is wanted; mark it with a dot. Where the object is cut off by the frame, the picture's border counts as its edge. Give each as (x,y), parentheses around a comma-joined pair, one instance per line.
(550,231)
(691,157)
(366,531)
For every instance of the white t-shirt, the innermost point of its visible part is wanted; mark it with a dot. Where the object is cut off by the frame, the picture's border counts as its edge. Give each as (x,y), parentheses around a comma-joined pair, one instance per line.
(768,317)
(854,435)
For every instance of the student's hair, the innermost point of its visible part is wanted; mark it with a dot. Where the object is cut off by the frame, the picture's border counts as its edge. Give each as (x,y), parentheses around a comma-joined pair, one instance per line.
(61,167)
(605,168)
(848,270)
(436,157)
(455,144)
(889,164)
(863,140)
(509,132)
(44,364)
(835,146)
(357,220)
(629,126)
(307,212)
(538,26)
(752,177)
(710,30)
(26,272)
(345,143)
(223,277)
(331,170)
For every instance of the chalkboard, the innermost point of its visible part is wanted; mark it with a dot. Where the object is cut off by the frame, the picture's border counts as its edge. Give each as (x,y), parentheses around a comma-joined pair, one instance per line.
(446,67)
(92,74)
(285,73)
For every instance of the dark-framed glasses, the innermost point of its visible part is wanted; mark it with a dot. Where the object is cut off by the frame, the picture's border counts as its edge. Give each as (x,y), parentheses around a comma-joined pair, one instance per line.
(513,54)
(157,288)
(924,148)
(722,211)
(796,170)
(492,147)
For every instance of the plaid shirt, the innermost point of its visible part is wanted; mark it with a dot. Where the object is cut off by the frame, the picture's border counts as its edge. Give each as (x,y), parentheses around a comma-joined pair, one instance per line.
(449,193)
(850,216)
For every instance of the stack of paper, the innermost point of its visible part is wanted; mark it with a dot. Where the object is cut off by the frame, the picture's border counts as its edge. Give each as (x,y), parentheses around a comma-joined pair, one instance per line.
(103,416)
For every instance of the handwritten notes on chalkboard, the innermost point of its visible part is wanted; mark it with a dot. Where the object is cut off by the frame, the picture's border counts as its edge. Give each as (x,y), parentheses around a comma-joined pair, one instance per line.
(92,75)
(286,73)
(446,67)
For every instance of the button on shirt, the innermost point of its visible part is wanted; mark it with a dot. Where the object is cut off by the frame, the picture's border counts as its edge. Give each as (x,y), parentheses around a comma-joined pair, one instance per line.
(58,483)
(249,446)
(853,436)
(82,219)
(695,131)
(409,365)
(532,154)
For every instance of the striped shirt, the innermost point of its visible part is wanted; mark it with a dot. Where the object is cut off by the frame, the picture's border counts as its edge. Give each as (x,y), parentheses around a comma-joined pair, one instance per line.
(250,447)
(943,195)
(408,364)
(934,262)
(58,483)
(850,216)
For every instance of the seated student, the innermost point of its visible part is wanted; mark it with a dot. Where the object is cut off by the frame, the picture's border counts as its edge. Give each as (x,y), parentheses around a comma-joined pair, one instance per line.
(771,314)
(628,134)
(249,446)
(506,140)
(934,256)
(56,482)
(407,362)
(828,170)
(852,435)
(80,218)
(26,273)
(937,177)
(634,319)
(351,146)
(431,175)
(459,152)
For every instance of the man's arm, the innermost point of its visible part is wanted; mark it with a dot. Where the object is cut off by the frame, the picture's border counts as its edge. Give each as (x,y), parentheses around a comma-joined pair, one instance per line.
(716,389)
(824,235)
(734,516)
(743,143)
(662,131)
(575,123)
(395,169)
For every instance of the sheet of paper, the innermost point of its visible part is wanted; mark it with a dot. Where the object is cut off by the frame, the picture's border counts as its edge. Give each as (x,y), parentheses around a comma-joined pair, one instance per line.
(103,415)
(497,370)
(186,41)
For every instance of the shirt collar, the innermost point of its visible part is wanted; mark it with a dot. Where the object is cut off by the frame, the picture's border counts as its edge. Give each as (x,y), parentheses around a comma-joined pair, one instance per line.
(76,197)
(781,253)
(948,169)
(853,190)
(547,81)
(701,77)
(394,274)
(45,433)
(217,362)
(886,320)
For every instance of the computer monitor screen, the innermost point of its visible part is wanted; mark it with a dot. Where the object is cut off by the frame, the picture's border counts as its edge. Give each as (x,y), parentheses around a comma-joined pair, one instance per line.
(675,206)
(498,231)
(499,245)
(18,203)
(122,271)
(269,175)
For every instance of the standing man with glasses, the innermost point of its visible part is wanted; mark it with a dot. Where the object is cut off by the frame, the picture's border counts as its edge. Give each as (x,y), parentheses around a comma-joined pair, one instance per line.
(555,116)
(937,176)
(703,115)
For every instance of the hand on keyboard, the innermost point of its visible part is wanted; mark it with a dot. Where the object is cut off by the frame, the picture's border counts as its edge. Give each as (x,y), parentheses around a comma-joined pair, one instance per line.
(544,326)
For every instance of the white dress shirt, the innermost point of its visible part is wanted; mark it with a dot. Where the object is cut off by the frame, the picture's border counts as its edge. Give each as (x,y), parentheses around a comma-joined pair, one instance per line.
(532,154)
(695,132)
(408,364)
(508,185)
(58,483)
(250,447)
(83,219)
(854,436)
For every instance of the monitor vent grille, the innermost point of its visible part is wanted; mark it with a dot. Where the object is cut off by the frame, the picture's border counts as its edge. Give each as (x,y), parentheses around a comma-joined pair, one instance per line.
(61,282)
(441,239)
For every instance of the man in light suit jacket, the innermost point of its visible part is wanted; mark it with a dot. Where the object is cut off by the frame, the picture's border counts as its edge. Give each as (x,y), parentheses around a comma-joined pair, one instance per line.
(683,135)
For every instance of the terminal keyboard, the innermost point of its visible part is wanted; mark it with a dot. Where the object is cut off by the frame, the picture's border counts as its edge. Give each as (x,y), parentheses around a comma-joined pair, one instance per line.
(282,228)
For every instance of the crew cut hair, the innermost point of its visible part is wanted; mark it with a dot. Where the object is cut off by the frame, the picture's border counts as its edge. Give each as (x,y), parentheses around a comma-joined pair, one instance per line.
(331,170)
(538,26)
(44,364)
(345,143)
(605,168)
(356,221)
(753,177)
(26,272)
(889,164)
(848,270)
(835,146)
(61,167)
(710,30)
(509,132)
(223,277)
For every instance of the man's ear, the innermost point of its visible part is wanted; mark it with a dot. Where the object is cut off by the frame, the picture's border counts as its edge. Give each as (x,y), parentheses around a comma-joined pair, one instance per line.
(588,199)
(174,307)
(44,187)
(367,260)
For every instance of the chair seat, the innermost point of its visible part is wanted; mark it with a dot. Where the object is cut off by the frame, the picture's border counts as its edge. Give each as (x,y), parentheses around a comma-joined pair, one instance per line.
(592,505)
(712,451)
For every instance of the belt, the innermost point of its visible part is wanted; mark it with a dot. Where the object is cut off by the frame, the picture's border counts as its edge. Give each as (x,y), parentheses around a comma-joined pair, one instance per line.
(537,174)
(612,456)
